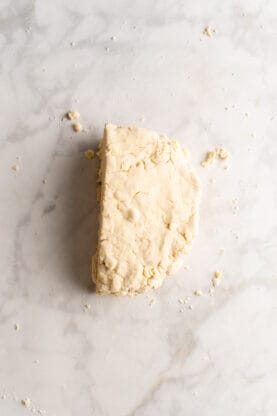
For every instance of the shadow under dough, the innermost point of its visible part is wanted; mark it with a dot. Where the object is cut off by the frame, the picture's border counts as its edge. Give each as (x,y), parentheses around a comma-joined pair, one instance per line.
(81,220)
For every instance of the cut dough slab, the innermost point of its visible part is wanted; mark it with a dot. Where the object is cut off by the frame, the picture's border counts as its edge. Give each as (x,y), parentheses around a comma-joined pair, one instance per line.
(148,210)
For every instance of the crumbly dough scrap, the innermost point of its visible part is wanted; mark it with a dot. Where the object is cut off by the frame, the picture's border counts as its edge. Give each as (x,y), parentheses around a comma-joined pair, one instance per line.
(149,210)
(73,115)
(209,159)
(77,127)
(223,153)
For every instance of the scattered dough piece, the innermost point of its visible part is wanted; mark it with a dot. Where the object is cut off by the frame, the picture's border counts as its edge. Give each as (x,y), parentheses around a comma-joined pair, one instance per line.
(26,402)
(217,278)
(210,157)
(209,160)
(198,292)
(16,327)
(87,307)
(223,153)
(148,210)
(73,115)
(15,167)
(77,127)
(89,154)
(208,31)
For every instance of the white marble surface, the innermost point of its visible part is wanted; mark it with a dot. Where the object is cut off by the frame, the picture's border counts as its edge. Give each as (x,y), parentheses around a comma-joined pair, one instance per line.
(132,357)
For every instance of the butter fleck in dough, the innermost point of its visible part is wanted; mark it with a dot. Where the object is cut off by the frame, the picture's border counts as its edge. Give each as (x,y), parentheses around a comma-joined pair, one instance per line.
(149,201)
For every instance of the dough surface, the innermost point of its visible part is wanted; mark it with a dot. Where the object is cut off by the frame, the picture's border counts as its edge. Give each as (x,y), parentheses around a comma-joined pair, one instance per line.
(148,210)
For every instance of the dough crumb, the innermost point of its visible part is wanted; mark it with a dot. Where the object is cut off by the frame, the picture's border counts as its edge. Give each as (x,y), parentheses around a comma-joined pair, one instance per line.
(152,301)
(89,154)
(235,206)
(16,327)
(77,127)
(4,396)
(208,31)
(113,37)
(26,402)
(73,115)
(87,307)
(222,153)
(15,167)
(190,307)
(217,278)
(198,292)
(209,159)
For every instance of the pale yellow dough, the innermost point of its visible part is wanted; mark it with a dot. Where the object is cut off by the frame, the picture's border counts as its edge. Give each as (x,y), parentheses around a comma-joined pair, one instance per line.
(149,210)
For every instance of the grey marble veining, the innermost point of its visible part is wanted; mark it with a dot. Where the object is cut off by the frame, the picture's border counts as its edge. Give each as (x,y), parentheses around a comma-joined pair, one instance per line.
(143,63)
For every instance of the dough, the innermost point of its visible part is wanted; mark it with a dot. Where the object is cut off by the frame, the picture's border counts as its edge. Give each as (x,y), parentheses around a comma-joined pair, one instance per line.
(148,210)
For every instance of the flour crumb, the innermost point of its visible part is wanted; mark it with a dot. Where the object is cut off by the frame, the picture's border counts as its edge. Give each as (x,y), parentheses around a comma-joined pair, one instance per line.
(36,362)
(15,167)
(208,31)
(44,181)
(16,327)
(86,307)
(89,154)
(182,301)
(209,159)
(113,38)
(4,396)
(26,402)
(198,293)
(190,307)
(235,206)
(217,278)
(77,127)
(73,115)
(222,153)
(152,301)
(72,43)
(186,267)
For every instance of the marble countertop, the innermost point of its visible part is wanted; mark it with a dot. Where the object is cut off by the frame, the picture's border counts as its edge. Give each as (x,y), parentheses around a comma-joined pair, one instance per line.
(144,63)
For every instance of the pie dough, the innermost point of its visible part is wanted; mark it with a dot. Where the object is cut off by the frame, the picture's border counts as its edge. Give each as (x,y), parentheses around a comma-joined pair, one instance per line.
(148,210)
